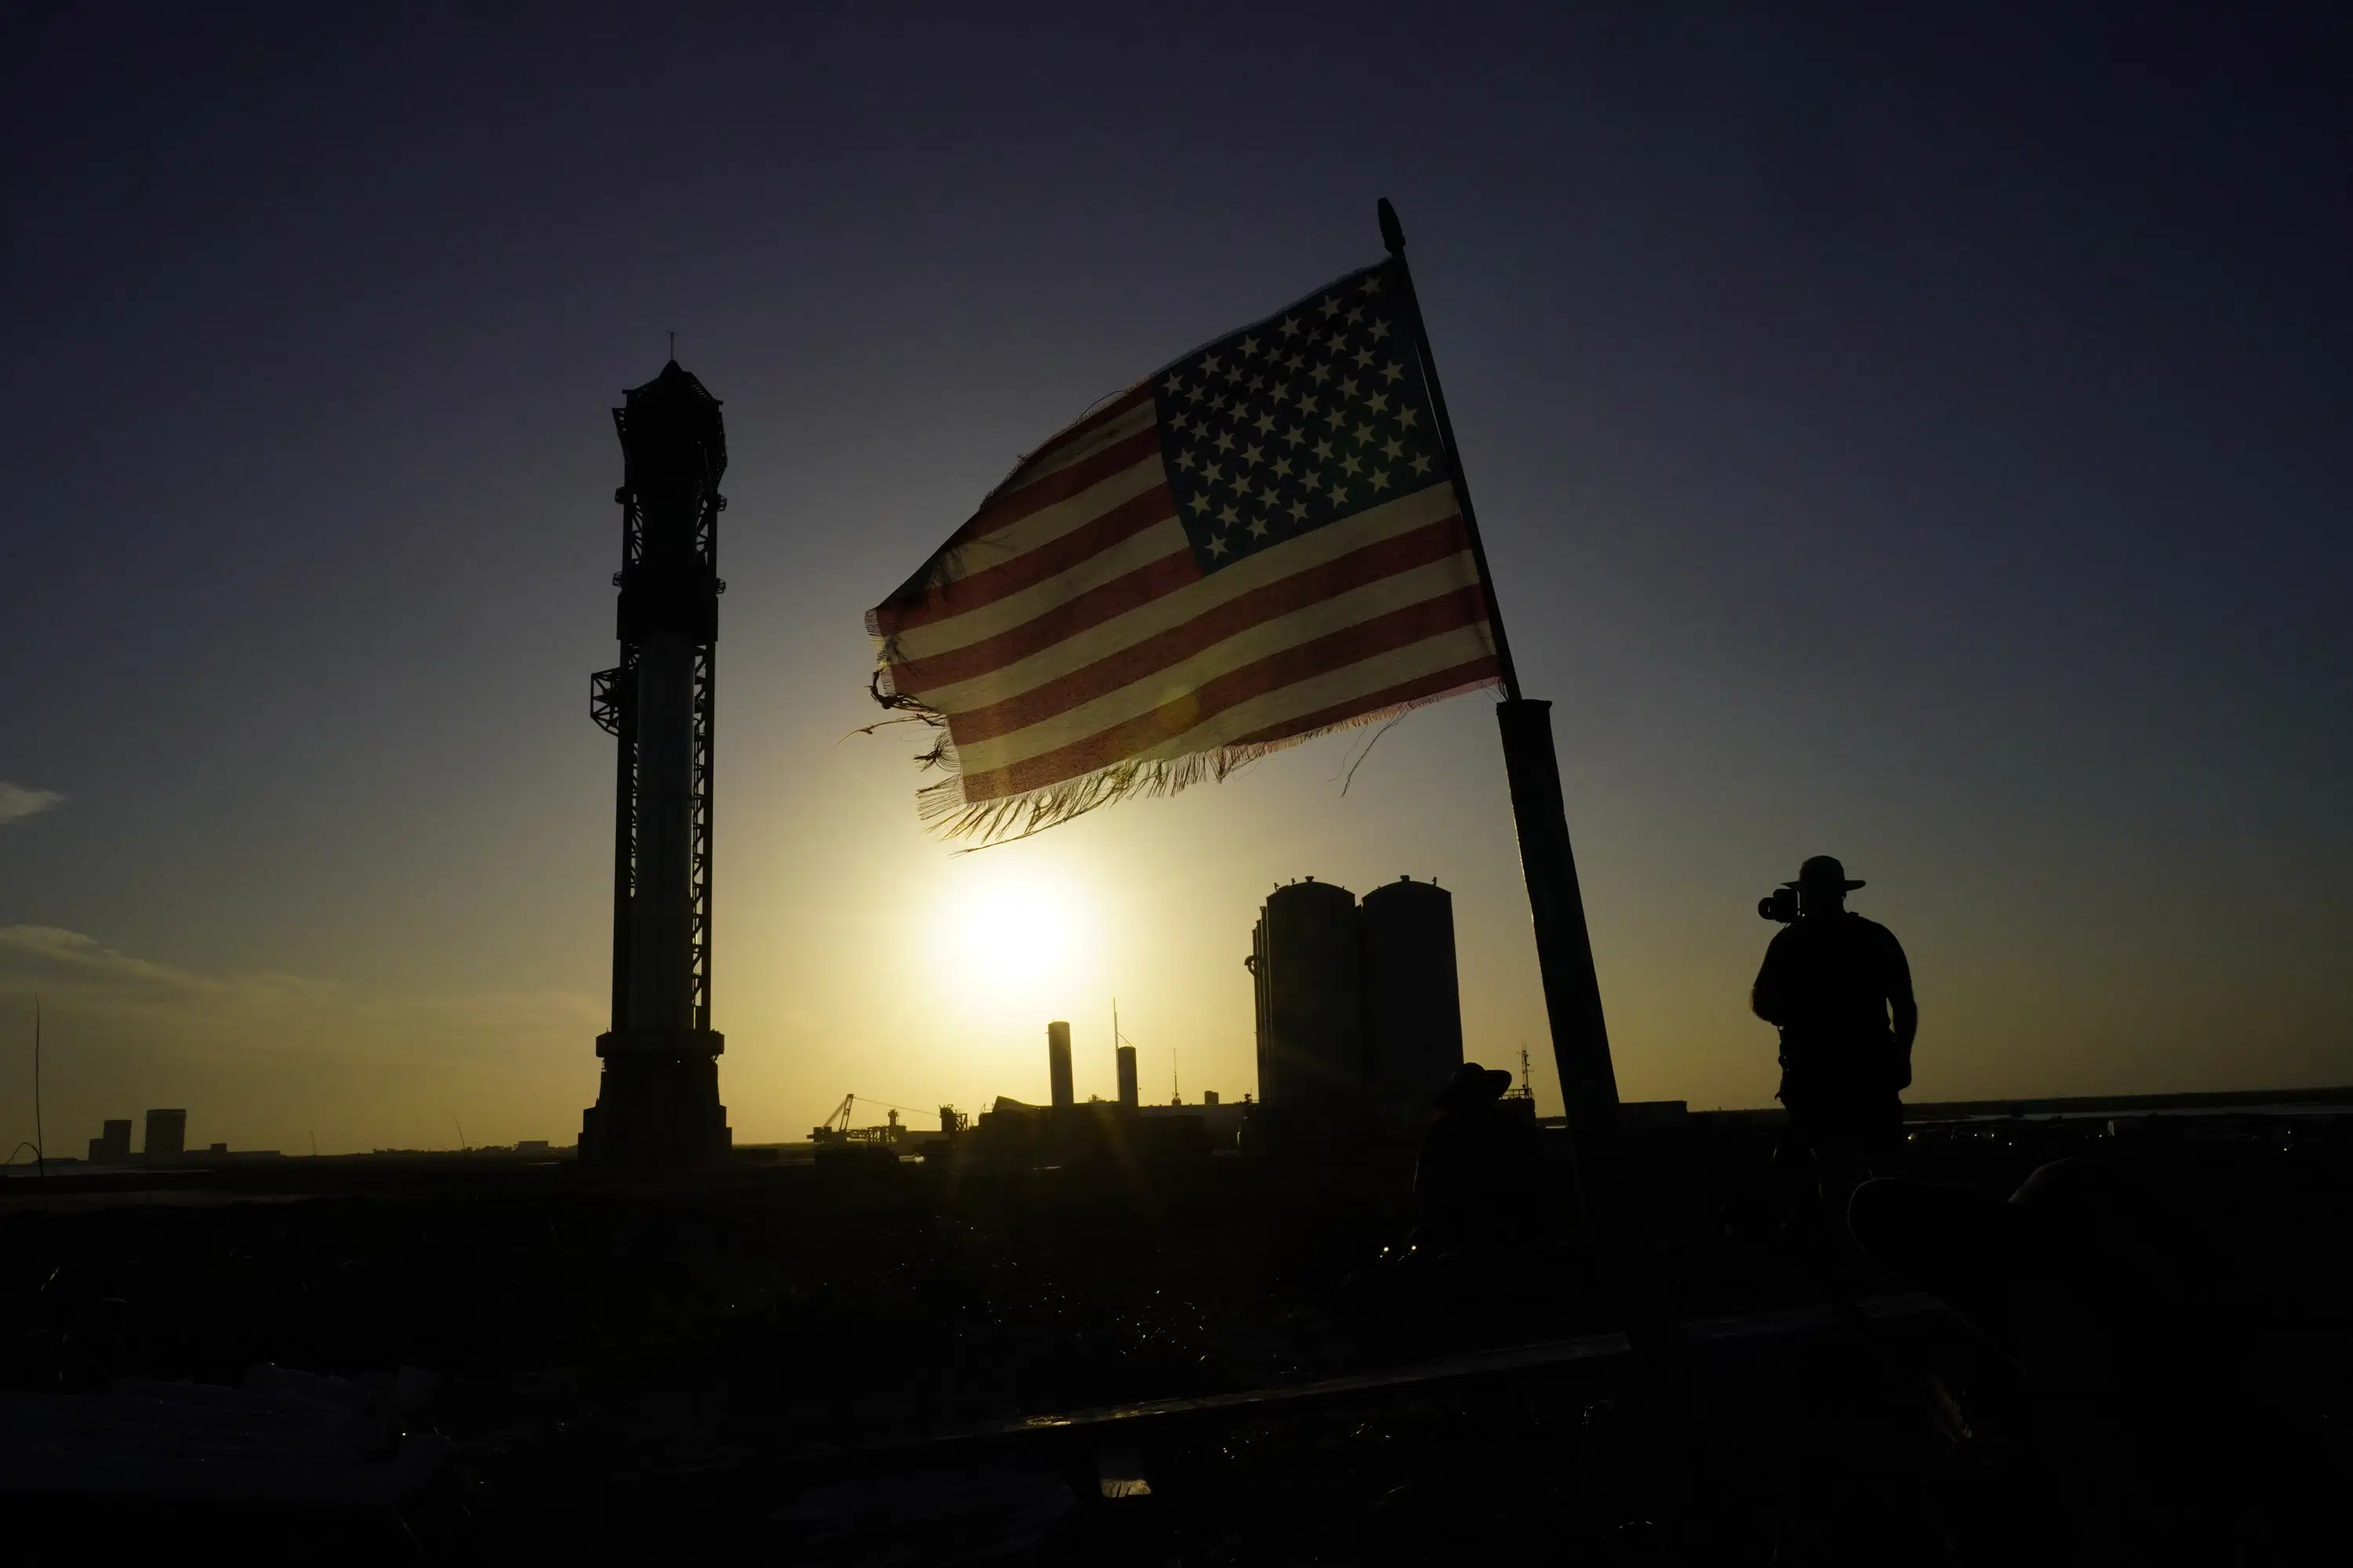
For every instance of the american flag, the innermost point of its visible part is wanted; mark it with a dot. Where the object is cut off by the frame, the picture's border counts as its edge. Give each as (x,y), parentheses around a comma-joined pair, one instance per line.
(1258,544)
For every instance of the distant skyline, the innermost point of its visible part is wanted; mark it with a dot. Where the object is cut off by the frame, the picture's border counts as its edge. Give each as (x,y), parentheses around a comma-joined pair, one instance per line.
(1914,438)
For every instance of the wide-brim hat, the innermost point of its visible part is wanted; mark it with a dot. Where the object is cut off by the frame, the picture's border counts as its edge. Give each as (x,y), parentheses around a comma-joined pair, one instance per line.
(1824,871)
(1472,1084)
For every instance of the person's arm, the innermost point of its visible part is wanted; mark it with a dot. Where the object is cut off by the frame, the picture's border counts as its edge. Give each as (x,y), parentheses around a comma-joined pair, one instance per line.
(1900,1004)
(1768,999)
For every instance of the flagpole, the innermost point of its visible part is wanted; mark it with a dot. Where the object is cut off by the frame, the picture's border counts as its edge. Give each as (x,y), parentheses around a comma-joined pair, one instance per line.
(1572,987)
(1580,1033)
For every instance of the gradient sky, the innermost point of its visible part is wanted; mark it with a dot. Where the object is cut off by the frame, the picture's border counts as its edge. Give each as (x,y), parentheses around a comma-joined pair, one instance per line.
(1923,440)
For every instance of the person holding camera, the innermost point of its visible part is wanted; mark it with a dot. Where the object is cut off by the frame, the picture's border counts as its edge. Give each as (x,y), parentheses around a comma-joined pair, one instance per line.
(1839,989)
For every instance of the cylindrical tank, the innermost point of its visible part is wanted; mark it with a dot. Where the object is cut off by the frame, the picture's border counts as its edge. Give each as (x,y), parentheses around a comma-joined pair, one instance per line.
(1310,1044)
(1127,1094)
(1413,1003)
(1058,1063)
(167,1131)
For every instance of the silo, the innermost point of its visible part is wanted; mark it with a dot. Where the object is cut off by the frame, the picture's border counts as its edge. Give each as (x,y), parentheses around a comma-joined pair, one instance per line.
(1058,1063)
(1127,1095)
(167,1131)
(1311,1042)
(1413,1003)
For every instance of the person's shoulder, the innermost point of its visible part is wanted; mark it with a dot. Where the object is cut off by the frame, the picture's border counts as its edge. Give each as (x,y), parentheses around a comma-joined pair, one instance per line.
(1874,931)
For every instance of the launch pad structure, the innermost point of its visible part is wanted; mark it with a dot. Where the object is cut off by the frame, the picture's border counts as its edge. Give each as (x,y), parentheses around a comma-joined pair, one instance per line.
(658,1097)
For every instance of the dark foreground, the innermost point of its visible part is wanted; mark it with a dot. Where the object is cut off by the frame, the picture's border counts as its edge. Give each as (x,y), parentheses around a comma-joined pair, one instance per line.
(847,1366)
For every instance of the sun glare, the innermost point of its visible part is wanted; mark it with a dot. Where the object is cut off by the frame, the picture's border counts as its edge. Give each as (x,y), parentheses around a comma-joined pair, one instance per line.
(1014,931)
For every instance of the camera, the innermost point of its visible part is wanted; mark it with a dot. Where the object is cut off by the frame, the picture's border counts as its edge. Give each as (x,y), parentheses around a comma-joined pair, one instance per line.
(1780,905)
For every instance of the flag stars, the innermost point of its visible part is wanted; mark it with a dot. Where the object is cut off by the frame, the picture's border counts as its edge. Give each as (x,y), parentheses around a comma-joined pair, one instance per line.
(1299,420)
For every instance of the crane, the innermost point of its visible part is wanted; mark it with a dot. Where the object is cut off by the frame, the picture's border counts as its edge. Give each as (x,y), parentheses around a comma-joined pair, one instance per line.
(835,1127)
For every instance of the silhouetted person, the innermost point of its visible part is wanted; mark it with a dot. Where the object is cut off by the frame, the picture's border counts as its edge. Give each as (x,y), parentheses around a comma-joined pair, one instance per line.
(1481,1169)
(1839,989)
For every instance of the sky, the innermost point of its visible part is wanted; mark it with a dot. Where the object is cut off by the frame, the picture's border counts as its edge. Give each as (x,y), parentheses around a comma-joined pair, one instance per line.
(1919,438)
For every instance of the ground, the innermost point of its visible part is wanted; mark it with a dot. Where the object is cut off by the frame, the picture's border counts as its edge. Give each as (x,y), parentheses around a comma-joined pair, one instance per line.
(834,1364)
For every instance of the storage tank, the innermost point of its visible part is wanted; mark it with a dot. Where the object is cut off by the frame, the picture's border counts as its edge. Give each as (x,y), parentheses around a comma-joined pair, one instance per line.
(1413,1001)
(1127,1094)
(167,1131)
(1058,1063)
(1311,1032)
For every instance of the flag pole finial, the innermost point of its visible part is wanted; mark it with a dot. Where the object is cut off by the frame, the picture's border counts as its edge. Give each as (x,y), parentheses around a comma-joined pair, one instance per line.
(1392,231)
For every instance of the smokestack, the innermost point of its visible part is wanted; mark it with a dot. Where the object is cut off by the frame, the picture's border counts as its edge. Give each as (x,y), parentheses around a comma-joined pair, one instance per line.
(1127,1077)
(1058,1063)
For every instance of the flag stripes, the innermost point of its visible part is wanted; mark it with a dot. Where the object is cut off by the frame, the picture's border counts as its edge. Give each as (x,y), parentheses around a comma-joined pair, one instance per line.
(1203,568)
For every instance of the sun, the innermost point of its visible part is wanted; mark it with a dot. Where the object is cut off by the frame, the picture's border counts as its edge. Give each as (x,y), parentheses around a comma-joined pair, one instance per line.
(1015,931)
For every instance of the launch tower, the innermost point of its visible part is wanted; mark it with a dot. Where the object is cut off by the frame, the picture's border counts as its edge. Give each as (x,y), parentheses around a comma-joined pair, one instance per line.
(658,1100)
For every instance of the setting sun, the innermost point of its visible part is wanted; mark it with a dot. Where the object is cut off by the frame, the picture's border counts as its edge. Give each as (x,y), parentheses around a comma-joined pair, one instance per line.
(1013,931)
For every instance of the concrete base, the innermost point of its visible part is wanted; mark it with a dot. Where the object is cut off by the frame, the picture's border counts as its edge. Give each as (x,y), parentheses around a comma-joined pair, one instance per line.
(658,1102)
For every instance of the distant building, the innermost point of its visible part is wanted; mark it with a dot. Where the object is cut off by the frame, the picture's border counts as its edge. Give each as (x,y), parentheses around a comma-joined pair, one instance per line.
(1357,1005)
(167,1132)
(112,1147)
